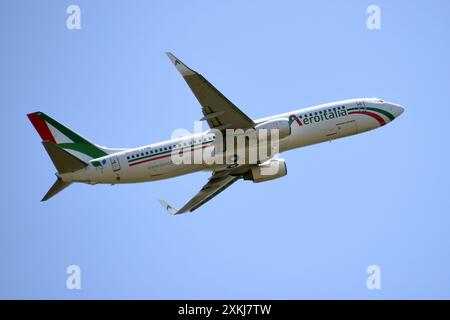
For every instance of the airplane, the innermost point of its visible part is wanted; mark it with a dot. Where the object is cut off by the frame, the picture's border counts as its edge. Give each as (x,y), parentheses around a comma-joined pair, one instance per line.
(79,160)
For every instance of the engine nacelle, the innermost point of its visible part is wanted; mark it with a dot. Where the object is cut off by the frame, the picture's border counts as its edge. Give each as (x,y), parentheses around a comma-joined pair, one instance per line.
(282,125)
(269,170)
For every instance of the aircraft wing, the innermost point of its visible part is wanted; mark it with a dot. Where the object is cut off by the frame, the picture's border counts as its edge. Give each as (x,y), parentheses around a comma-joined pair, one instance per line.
(218,111)
(218,182)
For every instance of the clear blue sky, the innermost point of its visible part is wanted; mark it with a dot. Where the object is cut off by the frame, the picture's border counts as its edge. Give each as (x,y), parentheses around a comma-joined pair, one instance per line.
(377,198)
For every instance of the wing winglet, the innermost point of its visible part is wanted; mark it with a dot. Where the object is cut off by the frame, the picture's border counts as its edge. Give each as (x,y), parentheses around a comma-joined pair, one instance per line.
(181,67)
(168,207)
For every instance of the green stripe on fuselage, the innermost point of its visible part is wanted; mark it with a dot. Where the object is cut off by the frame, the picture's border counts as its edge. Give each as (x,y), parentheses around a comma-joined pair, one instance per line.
(383,112)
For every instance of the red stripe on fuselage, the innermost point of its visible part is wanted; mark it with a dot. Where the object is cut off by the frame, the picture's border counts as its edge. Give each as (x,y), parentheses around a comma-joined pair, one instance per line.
(41,127)
(371,114)
(167,155)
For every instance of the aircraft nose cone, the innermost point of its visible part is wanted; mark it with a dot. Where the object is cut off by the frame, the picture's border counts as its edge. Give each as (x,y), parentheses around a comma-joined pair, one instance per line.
(397,109)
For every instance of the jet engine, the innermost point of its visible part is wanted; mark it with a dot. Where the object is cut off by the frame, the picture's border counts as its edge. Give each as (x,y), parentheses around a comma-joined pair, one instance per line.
(269,170)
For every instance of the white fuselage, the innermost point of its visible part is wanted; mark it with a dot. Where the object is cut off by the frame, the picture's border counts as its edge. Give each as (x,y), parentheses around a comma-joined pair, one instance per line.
(308,126)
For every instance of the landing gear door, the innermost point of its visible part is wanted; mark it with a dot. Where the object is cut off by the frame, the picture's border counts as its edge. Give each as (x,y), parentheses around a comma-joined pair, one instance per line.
(115,164)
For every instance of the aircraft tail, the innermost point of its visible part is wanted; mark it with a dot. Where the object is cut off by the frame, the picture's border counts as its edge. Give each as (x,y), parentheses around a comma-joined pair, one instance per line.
(64,163)
(52,131)
(58,186)
(68,150)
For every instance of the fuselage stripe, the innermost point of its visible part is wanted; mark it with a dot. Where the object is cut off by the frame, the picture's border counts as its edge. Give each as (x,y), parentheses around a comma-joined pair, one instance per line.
(383,112)
(370,114)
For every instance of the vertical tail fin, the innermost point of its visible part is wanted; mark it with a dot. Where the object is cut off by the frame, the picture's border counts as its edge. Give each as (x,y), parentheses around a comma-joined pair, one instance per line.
(68,150)
(51,130)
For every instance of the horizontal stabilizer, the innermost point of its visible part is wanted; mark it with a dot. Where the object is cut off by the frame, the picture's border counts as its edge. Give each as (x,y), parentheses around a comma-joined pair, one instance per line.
(63,160)
(57,187)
